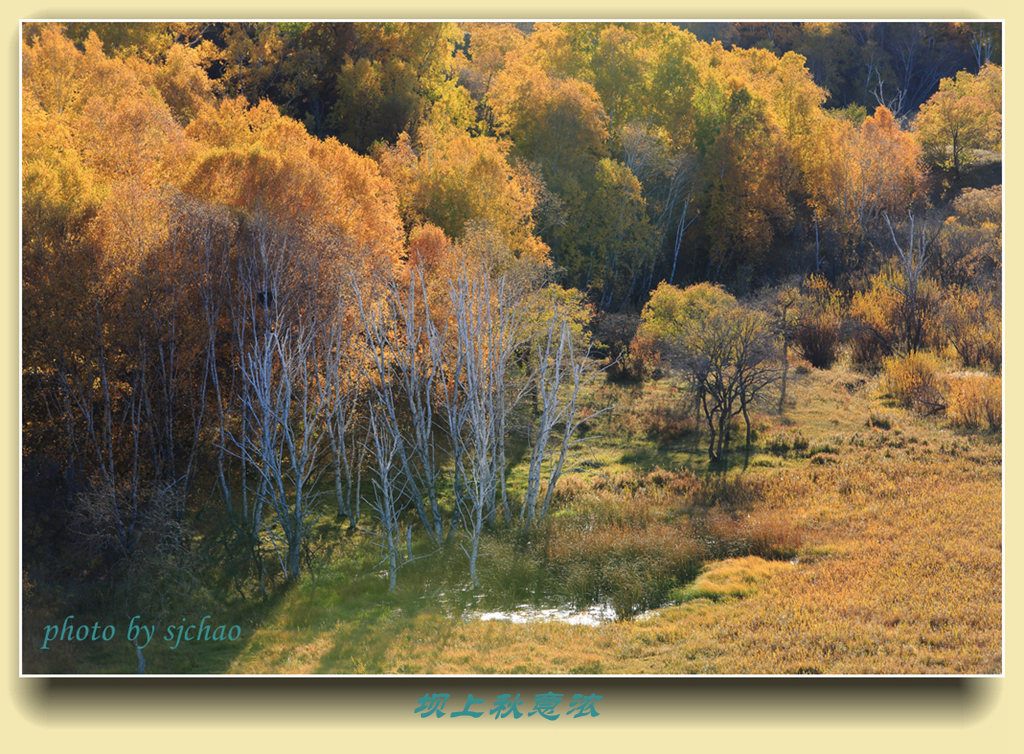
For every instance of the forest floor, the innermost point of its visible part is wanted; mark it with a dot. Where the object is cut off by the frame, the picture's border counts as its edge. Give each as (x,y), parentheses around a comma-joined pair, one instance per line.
(898,570)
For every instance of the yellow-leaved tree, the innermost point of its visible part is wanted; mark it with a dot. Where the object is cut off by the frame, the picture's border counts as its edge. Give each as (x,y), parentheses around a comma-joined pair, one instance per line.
(964,115)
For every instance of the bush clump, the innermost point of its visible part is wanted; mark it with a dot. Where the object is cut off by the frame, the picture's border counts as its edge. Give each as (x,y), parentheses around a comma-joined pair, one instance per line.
(972,323)
(819,320)
(974,400)
(893,316)
(913,380)
(880,421)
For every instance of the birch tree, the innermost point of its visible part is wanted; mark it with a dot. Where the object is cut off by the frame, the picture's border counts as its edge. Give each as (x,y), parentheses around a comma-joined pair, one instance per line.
(561,371)
(287,415)
(480,331)
(388,499)
(341,388)
(400,380)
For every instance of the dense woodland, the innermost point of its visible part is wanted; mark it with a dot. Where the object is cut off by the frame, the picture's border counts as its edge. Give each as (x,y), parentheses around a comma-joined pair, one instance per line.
(295,289)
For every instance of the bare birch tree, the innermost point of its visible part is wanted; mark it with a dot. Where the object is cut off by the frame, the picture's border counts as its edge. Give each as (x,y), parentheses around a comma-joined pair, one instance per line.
(287,413)
(388,499)
(341,396)
(560,374)
(478,337)
(400,375)
(283,406)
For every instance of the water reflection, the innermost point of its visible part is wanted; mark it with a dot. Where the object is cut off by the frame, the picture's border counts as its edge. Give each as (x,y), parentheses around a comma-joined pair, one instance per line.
(592,616)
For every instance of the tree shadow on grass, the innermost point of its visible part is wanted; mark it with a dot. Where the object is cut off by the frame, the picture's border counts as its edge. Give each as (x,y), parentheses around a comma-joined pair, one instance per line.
(688,455)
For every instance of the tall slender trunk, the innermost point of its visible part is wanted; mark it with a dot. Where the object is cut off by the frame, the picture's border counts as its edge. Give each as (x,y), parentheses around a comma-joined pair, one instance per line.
(785,373)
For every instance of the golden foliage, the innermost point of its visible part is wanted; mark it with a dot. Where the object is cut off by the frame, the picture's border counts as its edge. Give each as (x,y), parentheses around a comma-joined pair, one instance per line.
(963,115)
(453,180)
(891,318)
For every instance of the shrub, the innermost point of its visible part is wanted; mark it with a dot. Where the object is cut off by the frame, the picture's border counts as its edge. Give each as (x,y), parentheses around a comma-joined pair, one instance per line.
(615,332)
(980,206)
(974,400)
(644,358)
(675,483)
(913,380)
(801,365)
(890,320)
(819,317)
(973,326)
(968,251)
(866,350)
(819,343)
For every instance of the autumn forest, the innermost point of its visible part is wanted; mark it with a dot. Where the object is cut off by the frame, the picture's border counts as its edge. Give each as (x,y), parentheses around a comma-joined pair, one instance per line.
(512,348)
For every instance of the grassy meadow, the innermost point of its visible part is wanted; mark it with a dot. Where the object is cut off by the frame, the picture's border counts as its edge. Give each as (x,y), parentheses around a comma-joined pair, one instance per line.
(856,537)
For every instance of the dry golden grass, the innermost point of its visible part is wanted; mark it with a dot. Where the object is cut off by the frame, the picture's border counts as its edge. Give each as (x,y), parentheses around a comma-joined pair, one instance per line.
(913,380)
(733,577)
(897,570)
(974,400)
